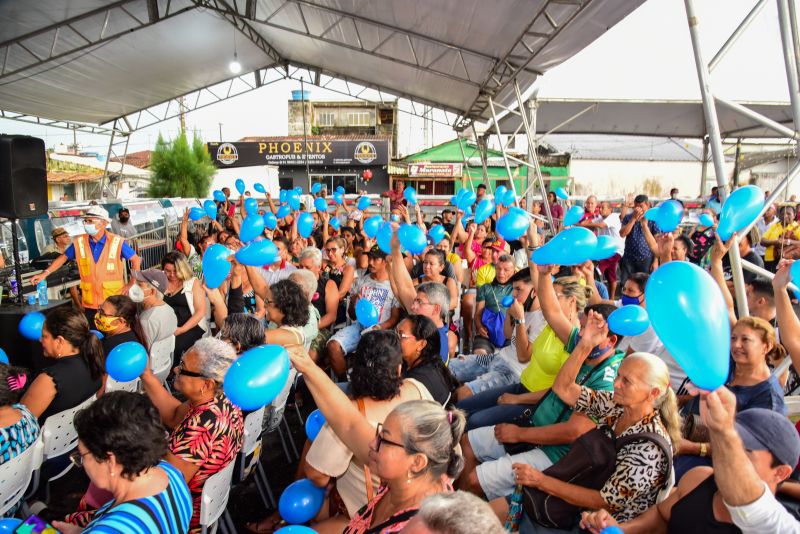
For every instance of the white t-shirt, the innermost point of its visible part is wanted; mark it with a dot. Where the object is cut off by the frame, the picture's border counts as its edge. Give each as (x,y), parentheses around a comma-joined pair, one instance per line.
(534,324)
(650,342)
(765,514)
(378,293)
(158,322)
(613,226)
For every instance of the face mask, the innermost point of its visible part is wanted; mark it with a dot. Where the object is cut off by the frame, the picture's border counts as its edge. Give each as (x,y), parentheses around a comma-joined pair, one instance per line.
(528,301)
(626,300)
(596,353)
(124,219)
(104,323)
(136,294)
(90,228)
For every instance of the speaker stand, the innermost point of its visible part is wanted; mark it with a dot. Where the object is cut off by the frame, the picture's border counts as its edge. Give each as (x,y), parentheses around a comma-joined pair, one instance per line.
(17,264)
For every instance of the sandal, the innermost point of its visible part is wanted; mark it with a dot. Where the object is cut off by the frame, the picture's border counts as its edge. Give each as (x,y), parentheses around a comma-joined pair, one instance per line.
(267,525)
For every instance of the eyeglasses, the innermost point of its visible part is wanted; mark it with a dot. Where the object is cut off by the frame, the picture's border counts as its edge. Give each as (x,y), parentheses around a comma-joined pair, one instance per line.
(419,302)
(191,374)
(404,336)
(76,457)
(382,440)
(330,250)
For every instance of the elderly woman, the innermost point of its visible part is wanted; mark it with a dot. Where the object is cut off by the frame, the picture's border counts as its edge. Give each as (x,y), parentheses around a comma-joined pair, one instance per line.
(308,283)
(157,320)
(206,430)
(413,452)
(325,299)
(185,295)
(242,331)
(642,401)
(120,446)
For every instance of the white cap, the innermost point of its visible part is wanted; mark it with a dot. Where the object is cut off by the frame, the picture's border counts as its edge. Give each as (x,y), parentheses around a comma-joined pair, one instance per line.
(96,212)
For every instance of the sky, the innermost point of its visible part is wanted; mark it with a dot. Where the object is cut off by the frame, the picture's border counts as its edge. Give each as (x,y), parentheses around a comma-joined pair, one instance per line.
(647,55)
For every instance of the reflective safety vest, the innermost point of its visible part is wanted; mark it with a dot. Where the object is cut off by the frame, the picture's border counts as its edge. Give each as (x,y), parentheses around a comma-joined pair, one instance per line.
(102,279)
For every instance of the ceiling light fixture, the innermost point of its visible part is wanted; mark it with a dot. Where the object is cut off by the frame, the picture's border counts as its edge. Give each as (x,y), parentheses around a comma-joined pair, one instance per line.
(234,66)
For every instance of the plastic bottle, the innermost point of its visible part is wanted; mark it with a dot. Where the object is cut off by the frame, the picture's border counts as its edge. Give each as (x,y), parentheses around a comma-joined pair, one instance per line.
(13,284)
(41,293)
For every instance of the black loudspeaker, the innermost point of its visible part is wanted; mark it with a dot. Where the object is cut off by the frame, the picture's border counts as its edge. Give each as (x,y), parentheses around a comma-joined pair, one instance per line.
(23,177)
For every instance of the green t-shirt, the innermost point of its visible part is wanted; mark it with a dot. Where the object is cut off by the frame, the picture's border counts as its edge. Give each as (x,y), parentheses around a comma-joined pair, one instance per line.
(547,413)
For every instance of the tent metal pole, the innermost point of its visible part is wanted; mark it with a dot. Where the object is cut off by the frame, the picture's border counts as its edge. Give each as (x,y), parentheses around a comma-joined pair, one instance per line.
(108,158)
(481,144)
(717,155)
(736,34)
(567,121)
(704,170)
(789,59)
(466,163)
(530,134)
(774,195)
(503,151)
(758,117)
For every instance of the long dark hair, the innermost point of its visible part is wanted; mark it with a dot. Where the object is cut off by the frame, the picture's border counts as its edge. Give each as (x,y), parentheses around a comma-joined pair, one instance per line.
(73,326)
(127,310)
(374,366)
(422,327)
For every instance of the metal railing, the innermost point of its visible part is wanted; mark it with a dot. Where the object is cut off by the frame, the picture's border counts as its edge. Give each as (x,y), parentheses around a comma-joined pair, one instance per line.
(152,245)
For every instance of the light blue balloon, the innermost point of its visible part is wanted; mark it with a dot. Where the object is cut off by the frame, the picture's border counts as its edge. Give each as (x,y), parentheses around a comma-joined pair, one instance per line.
(573,216)
(305,224)
(240,186)
(384,238)
(363,203)
(4,357)
(216,266)
(219,196)
(334,223)
(31,326)
(466,200)
(270,220)
(606,247)
(410,194)
(126,361)
(689,315)
(562,193)
(630,320)
(372,225)
(258,253)
(298,190)
(97,333)
(366,313)
(715,206)
(316,188)
(338,197)
(196,214)
(10,524)
(652,215)
(465,222)
(508,198)
(252,227)
(454,200)
(499,193)
(301,501)
(299,529)
(484,210)
(283,211)
(260,188)
(507,301)
(257,377)
(251,205)
(320,204)
(706,220)
(437,233)
(294,200)
(314,423)
(283,196)
(340,189)
(572,246)
(412,238)
(210,208)
(740,209)
(669,215)
(513,224)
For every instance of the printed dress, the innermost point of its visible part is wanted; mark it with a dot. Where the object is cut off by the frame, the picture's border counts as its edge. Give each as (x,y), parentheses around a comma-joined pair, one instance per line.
(15,439)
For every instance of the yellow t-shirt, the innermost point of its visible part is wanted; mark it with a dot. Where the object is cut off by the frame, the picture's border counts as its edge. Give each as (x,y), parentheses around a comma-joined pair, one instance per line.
(454,258)
(778,231)
(485,275)
(548,355)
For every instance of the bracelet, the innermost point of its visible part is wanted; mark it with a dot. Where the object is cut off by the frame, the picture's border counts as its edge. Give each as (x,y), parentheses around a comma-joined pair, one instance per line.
(703,450)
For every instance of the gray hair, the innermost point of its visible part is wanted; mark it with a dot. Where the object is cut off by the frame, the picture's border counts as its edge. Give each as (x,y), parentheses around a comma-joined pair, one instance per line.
(431,430)
(312,253)
(437,294)
(215,357)
(506,258)
(459,512)
(242,329)
(306,280)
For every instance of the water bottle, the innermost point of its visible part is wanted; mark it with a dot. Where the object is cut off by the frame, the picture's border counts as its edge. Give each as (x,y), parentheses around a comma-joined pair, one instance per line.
(41,293)
(13,284)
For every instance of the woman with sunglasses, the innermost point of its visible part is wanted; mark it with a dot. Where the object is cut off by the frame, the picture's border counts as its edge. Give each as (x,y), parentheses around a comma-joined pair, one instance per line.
(120,447)
(420,343)
(337,267)
(118,321)
(413,452)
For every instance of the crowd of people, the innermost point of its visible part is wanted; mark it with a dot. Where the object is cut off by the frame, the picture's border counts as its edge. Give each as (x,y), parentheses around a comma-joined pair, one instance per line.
(490,395)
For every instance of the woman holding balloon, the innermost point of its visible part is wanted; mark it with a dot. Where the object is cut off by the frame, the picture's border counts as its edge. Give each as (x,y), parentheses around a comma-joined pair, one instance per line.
(118,320)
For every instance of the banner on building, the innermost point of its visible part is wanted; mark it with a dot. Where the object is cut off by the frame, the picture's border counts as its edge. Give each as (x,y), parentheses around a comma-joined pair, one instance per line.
(292,151)
(435,170)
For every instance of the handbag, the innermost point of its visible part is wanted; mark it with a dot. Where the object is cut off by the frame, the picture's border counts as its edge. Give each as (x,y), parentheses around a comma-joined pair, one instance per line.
(589,463)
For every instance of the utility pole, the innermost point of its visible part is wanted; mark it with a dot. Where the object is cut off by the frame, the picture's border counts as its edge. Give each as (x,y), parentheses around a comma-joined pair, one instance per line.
(305,132)
(220,132)
(74,141)
(182,114)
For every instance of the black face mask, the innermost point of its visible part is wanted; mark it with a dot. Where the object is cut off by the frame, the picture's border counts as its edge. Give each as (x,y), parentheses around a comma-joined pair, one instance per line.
(529,301)
(123,219)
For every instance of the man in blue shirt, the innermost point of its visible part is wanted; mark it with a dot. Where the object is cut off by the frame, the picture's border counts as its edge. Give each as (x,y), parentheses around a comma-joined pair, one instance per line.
(639,241)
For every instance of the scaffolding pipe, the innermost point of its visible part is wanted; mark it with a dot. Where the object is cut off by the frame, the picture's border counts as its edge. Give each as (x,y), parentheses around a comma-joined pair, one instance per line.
(503,151)
(789,58)
(736,34)
(466,164)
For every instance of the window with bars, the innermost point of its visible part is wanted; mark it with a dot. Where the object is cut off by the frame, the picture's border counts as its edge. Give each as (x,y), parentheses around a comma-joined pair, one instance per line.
(326,118)
(358,118)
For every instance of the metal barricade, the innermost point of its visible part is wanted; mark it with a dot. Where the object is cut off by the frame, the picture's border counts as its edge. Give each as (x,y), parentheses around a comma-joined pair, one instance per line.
(152,245)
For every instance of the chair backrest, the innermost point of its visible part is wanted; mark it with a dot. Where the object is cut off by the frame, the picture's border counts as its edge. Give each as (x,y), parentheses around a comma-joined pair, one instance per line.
(15,474)
(113,385)
(215,495)
(252,431)
(58,432)
(161,357)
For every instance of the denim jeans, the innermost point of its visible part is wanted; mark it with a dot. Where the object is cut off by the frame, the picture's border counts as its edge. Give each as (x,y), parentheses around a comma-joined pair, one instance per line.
(482,409)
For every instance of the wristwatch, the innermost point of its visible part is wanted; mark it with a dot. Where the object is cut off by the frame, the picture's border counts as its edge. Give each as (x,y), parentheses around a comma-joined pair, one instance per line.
(516,321)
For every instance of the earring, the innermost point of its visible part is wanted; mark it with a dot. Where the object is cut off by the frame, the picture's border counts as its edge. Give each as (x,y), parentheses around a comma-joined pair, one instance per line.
(408,477)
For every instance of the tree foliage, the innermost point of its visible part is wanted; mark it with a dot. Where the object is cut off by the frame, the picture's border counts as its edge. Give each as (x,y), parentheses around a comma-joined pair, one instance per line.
(180,170)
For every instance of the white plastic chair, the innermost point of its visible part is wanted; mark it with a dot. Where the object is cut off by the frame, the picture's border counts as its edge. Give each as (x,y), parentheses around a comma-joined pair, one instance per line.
(113,385)
(161,357)
(250,447)
(58,433)
(214,501)
(16,474)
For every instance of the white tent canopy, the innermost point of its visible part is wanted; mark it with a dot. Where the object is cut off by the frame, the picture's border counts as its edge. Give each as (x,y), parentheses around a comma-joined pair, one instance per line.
(95,61)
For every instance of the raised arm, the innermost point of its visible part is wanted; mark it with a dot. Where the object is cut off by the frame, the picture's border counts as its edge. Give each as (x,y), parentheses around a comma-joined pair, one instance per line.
(648,236)
(788,323)
(184,236)
(595,332)
(718,251)
(551,308)
(628,226)
(469,254)
(400,277)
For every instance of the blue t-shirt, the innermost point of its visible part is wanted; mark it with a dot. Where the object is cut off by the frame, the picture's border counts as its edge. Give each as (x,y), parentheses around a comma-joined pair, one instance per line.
(125,251)
(767,394)
(444,348)
(636,247)
(602,290)
(168,512)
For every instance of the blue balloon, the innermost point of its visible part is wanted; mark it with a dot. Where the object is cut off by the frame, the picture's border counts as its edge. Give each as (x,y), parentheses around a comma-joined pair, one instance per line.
(315,188)
(484,210)
(740,209)
(437,233)
(305,224)
(258,253)
(216,265)
(384,238)
(412,238)
(314,423)
(294,200)
(196,214)
(270,220)
(260,188)
(257,377)
(465,222)
(240,186)
(10,524)
(320,204)
(507,301)
(340,189)
(210,208)
(301,501)
(466,200)
(126,361)
(372,225)
(298,190)
(283,196)
(687,311)
(4,357)
(513,224)
(334,223)
(562,193)
(283,211)
(630,320)
(366,313)
(572,246)
(410,194)
(499,193)
(714,206)
(612,529)
(606,247)
(508,198)
(669,215)
(300,529)
(338,197)
(252,227)
(652,215)
(31,325)
(251,205)
(363,203)
(219,196)
(454,200)
(98,333)
(706,220)
(573,216)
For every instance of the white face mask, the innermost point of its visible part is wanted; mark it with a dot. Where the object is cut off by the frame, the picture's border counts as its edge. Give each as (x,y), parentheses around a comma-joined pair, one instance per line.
(90,228)
(135,293)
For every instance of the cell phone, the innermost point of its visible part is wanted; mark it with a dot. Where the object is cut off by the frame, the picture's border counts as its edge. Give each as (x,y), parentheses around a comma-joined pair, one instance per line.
(35,525)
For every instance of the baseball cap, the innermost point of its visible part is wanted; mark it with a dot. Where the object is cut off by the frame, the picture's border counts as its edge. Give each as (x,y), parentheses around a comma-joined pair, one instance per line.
(765,430)
(58,232)
(377,252)
(154,277)
(499,245)
(96,212)
(126,210)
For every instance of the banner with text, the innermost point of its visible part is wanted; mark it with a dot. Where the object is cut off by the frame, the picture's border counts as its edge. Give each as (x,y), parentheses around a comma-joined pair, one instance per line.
(329,152)
(435,170)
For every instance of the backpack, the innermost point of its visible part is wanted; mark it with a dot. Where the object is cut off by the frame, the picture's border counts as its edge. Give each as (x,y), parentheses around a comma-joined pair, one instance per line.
(589,463)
